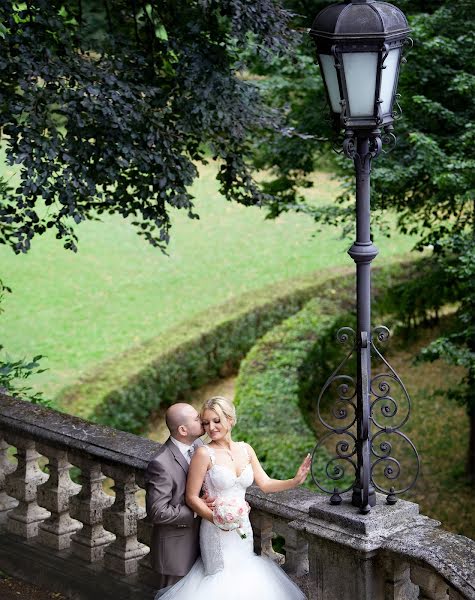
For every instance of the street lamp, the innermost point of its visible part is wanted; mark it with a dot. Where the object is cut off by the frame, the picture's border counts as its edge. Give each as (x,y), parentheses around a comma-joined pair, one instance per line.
(359,50)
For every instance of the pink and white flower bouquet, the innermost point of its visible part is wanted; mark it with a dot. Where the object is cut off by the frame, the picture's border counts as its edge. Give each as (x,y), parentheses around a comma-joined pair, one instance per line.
(229,514)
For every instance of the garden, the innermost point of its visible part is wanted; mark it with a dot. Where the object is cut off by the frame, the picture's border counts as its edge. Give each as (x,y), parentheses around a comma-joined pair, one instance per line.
(215,151)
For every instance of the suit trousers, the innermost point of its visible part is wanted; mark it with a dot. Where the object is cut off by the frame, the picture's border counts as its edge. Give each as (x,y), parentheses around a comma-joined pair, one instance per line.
(167,580)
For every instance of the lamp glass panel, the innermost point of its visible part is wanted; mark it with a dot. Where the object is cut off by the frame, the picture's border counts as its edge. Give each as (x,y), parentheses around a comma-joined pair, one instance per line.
(331,81)
(388,80)
(360,76)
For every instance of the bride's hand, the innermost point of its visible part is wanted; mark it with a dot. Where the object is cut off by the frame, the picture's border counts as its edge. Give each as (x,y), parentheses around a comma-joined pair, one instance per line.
(304,468)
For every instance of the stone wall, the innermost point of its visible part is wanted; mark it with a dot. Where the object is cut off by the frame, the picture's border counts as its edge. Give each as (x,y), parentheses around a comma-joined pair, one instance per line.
(79,540)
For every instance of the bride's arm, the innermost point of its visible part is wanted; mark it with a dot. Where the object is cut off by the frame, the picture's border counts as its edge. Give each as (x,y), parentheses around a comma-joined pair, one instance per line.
(194,483)
(277,485)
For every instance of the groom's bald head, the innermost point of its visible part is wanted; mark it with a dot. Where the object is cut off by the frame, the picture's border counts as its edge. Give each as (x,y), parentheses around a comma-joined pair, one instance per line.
(183,422)
(177,415)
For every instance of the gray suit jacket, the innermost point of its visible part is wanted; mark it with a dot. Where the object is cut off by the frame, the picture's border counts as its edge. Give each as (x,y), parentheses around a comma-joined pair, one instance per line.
(175,537)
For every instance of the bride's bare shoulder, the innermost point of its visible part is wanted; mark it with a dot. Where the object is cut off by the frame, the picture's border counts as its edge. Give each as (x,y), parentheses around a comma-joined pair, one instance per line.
(249,449)
(201,452)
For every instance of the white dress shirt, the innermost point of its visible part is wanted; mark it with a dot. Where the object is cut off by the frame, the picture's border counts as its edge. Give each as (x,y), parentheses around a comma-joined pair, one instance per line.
(183,448)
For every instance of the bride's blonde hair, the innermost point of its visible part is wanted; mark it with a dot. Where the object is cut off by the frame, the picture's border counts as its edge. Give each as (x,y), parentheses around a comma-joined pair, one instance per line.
(222,407)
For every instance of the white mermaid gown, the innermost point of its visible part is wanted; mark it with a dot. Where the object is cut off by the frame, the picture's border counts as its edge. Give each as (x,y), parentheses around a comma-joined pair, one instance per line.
(228,567)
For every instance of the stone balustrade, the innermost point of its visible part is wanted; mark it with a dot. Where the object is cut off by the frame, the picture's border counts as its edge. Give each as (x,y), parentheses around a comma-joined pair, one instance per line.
(59,527)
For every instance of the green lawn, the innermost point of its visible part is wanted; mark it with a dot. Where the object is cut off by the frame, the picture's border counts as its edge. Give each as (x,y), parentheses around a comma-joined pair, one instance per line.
(79,309)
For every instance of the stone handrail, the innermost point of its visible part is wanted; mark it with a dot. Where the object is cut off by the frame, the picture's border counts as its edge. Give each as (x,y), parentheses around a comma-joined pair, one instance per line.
(76,539)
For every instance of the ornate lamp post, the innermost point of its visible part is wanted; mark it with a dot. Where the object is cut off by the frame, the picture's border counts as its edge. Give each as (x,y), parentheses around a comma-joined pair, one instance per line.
(359,48)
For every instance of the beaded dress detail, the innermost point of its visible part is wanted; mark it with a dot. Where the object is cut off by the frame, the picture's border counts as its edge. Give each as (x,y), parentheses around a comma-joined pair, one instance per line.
(228,567)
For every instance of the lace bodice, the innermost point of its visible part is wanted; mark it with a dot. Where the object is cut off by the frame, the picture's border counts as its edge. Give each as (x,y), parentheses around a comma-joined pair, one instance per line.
(221,482)
(217,546)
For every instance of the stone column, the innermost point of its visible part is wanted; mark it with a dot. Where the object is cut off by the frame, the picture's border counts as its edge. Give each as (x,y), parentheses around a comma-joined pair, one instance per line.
(296,553)
(22,484)
(343,573)
(346,550)
(89,543)
(6,467)
(123,555)
(262,527)
(431,585)
(144,536)
(55,495)
(398,584)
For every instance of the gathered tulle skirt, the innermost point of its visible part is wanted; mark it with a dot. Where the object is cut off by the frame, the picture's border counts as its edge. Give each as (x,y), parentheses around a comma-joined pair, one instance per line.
(229,569)
(253,578)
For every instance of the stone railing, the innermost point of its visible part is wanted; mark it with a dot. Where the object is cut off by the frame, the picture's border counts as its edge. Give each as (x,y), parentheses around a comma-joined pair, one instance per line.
(77,539)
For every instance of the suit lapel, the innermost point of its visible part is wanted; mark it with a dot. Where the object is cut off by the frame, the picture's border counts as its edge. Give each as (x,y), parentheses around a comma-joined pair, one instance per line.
(177,454)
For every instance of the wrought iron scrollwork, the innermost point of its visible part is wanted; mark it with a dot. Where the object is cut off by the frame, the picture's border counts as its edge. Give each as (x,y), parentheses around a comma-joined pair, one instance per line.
(389,140)
(384,406)
(375,145)
(380,427)
(344,412)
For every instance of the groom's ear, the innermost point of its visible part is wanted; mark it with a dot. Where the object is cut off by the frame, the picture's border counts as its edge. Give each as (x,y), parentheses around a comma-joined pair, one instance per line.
(182,430)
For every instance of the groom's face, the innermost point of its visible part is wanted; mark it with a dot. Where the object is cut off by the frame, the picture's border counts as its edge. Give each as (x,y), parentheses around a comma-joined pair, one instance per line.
(193,424)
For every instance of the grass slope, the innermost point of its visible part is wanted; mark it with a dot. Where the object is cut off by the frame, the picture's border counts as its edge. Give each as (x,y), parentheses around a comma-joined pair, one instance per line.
(117,292)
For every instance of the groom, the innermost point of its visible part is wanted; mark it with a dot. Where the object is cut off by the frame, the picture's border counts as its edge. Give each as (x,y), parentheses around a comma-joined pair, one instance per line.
(175,537)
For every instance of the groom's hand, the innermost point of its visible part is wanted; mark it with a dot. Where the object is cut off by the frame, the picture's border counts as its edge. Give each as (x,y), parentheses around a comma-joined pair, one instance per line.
(209,500)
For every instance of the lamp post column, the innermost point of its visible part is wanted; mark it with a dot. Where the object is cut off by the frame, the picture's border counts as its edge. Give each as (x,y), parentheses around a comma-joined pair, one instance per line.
(362,148)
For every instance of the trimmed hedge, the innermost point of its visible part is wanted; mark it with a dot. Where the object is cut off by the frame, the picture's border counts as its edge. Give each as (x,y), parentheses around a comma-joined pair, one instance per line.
(269,388)
(123,393)
(277,379)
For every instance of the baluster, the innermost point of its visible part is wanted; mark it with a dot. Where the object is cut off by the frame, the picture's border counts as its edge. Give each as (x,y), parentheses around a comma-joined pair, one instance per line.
(263,532)
(397,582)
(431,585)
(22,484)
(54,495)
(122,556)
(296,553)
(144,535)
(6,467)
(87,507)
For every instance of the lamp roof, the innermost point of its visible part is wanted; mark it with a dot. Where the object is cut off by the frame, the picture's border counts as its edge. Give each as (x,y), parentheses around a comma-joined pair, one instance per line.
(358,19)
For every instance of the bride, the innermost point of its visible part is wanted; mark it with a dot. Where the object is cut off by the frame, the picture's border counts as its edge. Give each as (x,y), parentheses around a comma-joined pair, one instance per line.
(228,565)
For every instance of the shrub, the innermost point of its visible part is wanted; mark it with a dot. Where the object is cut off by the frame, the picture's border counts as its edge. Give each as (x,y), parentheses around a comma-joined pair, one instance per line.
(275,390)
(124,393)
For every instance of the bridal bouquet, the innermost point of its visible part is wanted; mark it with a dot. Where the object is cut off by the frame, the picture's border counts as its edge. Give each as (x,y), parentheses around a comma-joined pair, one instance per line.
(228,514)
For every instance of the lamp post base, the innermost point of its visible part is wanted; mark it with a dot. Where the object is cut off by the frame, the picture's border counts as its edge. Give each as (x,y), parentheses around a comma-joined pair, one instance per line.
(357,498)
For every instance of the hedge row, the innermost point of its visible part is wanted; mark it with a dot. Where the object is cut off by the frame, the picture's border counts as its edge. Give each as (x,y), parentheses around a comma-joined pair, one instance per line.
(123,393)
(275,390)
(269,388)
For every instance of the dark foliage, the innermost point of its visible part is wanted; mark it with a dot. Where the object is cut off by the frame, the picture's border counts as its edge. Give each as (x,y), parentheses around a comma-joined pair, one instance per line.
(458,347)
(428,179)
(108,106)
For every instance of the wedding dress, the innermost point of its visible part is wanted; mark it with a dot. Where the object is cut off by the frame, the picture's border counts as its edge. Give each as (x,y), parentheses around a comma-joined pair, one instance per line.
(228,567)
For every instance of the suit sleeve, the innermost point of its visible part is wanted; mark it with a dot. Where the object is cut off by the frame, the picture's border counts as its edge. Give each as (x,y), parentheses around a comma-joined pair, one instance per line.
(159,487)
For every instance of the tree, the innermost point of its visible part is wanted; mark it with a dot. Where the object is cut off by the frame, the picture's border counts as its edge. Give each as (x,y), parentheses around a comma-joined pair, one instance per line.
(107,108)
(428,180)
(458,347)
(429,177)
